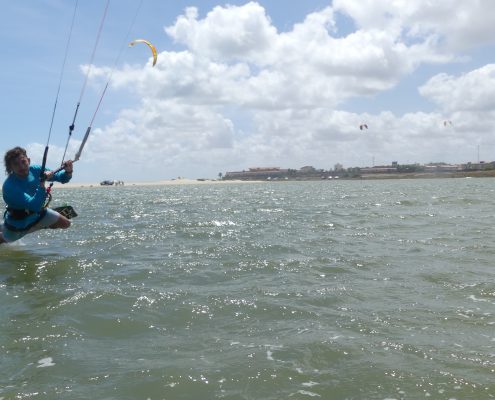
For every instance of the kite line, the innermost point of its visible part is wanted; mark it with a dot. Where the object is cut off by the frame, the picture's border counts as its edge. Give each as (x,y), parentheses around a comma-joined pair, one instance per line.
(62,70)
(88,71)
(102,95)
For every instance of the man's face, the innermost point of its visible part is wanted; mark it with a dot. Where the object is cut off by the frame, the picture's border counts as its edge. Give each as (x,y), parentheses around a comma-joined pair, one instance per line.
(20,166)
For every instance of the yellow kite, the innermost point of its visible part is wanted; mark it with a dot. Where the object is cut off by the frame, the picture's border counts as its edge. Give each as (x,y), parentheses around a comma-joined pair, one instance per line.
(153,48)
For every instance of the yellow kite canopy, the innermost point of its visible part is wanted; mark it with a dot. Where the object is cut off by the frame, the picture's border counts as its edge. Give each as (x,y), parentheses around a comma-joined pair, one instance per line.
(153,48)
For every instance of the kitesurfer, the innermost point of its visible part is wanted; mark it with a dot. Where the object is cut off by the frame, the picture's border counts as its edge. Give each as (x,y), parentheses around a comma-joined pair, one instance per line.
(25,194)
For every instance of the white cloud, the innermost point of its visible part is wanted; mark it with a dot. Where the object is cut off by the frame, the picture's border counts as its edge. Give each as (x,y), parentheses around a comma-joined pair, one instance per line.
(239,93)
(227,33)
(459,24)
(474,91)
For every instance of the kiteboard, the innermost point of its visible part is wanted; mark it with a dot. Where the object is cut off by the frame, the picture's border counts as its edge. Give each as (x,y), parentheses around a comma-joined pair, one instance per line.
(67,211)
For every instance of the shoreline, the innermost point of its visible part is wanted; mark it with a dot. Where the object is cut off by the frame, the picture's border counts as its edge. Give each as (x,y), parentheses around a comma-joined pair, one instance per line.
(165,182)
(183,181)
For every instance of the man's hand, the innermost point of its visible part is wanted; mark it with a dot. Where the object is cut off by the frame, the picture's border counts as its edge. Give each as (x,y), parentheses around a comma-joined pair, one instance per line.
(48,175)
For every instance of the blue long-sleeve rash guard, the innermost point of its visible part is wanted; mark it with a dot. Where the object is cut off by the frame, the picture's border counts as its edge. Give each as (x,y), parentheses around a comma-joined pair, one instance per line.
(27,194)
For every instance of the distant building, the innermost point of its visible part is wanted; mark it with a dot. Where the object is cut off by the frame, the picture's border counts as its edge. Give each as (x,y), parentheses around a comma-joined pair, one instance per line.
(264,169)
(442,168)
(311,173)
(257,173)
(307,169)
(479,166)
(378,170)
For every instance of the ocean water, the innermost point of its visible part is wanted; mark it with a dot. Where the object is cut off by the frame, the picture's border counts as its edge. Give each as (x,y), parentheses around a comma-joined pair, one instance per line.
(276,290)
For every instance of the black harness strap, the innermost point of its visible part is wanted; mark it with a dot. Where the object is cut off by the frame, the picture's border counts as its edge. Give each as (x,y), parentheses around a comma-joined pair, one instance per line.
(29,226)
(18,214)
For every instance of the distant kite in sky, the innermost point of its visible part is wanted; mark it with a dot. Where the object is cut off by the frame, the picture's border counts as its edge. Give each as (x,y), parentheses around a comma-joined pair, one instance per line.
(153,48)
(447,123)
(363,126)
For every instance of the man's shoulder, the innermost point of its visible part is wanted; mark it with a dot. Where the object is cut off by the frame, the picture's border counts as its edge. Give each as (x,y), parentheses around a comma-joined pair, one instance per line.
(9,186)
(8,181)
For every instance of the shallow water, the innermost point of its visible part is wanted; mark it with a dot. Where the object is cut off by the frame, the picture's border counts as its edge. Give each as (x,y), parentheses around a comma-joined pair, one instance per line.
(331,289)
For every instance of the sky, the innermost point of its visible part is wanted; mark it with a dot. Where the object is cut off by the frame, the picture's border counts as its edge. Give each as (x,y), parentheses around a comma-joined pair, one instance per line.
(241,84)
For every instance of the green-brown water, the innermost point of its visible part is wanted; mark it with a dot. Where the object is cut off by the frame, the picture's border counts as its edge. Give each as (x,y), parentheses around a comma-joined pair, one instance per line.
(331,290)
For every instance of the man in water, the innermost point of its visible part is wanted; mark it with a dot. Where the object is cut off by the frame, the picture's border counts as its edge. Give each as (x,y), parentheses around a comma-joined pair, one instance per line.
(25,194)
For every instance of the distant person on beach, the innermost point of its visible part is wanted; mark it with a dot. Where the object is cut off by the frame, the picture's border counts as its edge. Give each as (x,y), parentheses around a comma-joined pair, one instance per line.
(25,195)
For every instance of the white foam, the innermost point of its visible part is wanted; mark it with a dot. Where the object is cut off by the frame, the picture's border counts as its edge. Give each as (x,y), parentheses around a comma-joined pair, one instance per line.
(45,362)
(310,384)
(308,393)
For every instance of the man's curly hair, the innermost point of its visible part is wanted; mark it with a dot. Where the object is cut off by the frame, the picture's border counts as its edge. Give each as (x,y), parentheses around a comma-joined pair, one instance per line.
(11,156)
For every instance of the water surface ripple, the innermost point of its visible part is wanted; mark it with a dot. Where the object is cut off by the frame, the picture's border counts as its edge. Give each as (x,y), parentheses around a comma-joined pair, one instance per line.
(288,290)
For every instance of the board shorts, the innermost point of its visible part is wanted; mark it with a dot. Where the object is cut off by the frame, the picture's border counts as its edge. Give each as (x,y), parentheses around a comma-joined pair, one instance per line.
(50,218)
